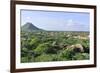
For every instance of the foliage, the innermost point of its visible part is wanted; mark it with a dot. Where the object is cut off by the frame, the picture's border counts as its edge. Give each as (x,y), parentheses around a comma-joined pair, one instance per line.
(44,58)
(81,56)
(44,46)
(66,54)
(86,45)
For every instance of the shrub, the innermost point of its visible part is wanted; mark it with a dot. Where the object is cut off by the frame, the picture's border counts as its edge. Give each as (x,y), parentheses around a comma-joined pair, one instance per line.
(86,45)
(34,42)
(53,49)
(66,54)
(44,58)
(71,41)
(81,56)
(24,59)
(24,52)
(42,48)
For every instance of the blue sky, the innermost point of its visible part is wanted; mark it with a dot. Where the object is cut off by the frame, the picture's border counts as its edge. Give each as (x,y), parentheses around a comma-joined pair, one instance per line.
(57,21)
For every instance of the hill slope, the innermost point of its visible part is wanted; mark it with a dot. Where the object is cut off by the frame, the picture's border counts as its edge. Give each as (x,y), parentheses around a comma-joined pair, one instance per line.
(29,27)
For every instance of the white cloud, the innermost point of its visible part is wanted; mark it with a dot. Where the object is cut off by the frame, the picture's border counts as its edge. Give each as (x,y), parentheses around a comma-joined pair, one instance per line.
(70,22)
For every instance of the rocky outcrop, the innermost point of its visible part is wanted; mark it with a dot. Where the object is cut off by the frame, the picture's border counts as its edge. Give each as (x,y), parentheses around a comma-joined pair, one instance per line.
(77,48)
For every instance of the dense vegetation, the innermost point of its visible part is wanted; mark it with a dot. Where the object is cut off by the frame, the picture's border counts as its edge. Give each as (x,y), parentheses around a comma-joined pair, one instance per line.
(42,46)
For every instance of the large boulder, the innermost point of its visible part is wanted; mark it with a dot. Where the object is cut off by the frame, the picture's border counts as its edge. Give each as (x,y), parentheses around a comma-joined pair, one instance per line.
(77,48)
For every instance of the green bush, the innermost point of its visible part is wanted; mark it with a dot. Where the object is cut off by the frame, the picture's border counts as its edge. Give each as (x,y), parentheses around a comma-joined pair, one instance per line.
(23,52)
(42,48)
(71,41)
(81,56)
(53,49)
(24,59)
(66,54)
(86,45)
(34,42)
(44,58)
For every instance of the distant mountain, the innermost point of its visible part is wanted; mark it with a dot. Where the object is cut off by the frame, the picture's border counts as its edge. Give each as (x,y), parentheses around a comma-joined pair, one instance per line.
(29,27)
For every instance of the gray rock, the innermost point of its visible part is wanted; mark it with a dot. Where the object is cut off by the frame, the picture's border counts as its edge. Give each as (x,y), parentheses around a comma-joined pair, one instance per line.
(77,48)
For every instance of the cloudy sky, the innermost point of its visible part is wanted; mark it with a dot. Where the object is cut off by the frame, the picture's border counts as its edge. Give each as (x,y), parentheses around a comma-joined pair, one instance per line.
(56,21)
